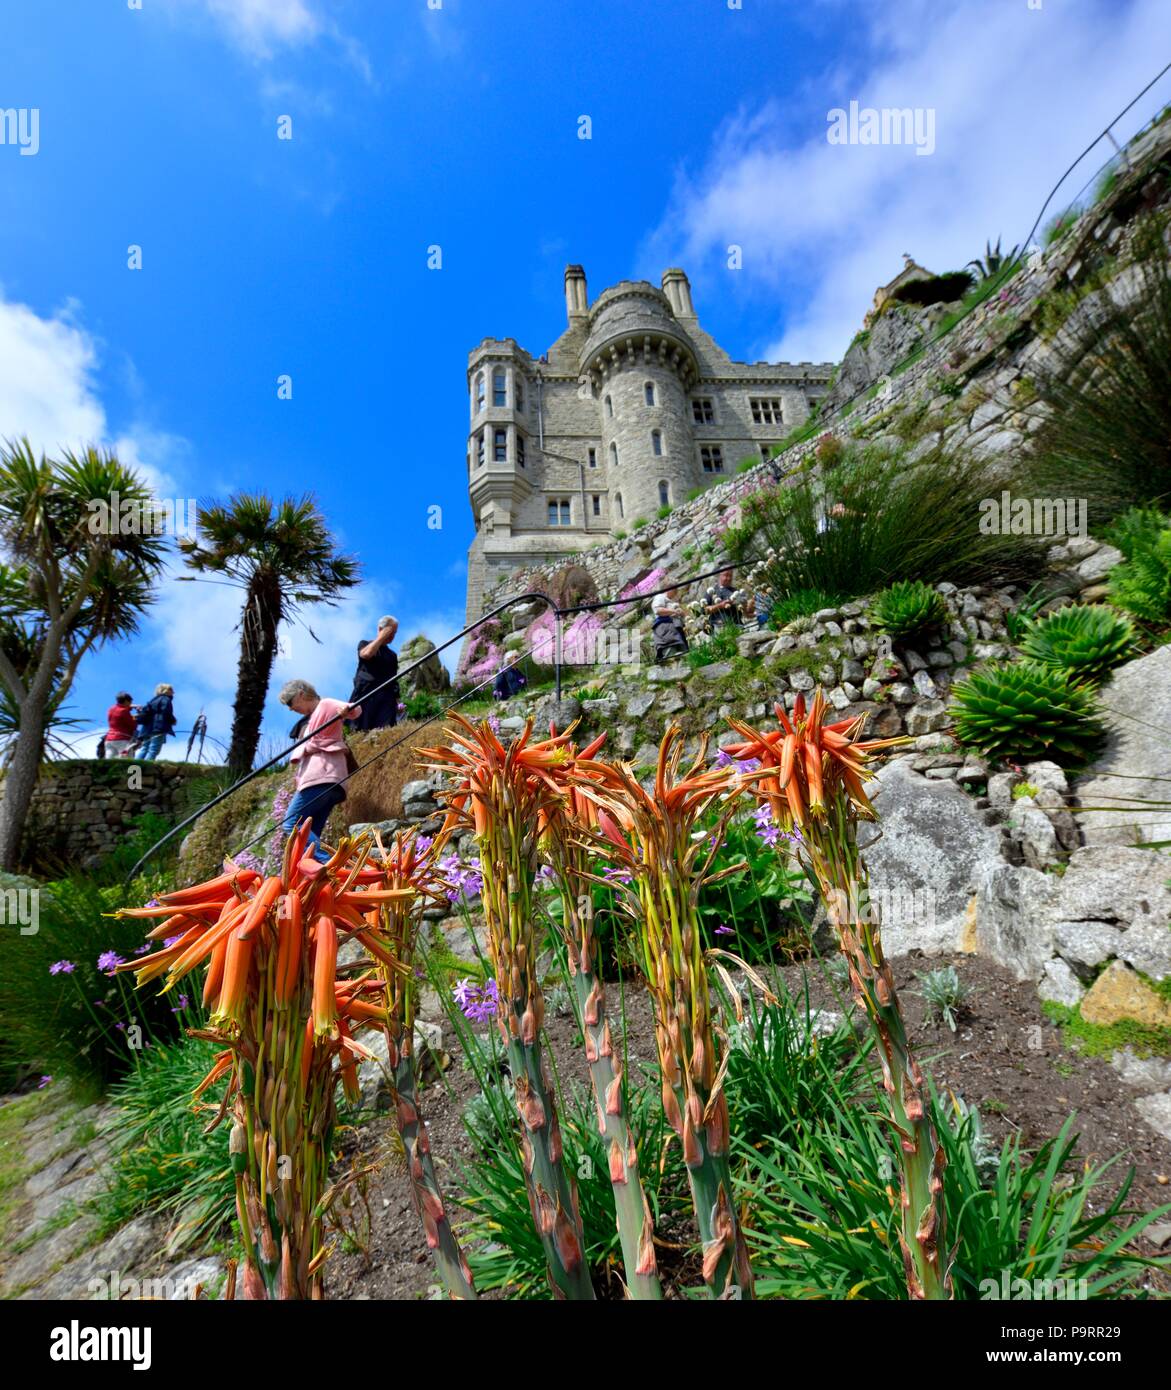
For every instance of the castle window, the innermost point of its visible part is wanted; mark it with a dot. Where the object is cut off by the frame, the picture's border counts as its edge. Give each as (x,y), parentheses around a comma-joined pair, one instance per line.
(520,449)
(597,505)
(712,458)
(664,494)
(519,388)
(613,455)
(500,446)
(479,393)
(618,504)
(657,442)
(766,450)
(479,448)
(499,390)
(593,458)
(558,511)
(766,412)
(609,408)
(649,392)
(702,411)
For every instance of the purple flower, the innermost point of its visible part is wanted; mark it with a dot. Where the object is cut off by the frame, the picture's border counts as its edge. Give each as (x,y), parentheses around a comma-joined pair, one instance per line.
(494,723)
(463,990)
(62,967)
(616,874)
(724,931)
(170,940)
(423,843)
(545,874)
(724,758)
(142,950)
(108,960)
(43,1082)
(478,1002)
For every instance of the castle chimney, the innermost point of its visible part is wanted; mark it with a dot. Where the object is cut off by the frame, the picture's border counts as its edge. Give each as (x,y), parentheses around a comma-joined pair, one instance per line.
(576,304)
(677,288)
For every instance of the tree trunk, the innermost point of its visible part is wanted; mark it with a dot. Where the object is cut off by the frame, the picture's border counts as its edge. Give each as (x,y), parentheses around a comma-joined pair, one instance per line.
(20,778)
(258,629)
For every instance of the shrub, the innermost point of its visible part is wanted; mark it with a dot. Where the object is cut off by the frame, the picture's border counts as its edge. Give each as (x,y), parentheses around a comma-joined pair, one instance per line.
(722,647)
(909,608)
(1142,584)
(78,1020)
(829,450)
(1086,641)
(802,603)
(638,523)
(664,511)
(423,705)
(1026,712)
(879,516)
(162,1160)
(1107,399)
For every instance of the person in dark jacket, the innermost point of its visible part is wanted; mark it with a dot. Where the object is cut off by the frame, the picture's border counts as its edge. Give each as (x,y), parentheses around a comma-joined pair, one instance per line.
(510,681)
(377,664)
(156,722)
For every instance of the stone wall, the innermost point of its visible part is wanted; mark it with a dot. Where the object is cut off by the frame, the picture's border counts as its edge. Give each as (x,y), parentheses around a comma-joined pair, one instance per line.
(85,808)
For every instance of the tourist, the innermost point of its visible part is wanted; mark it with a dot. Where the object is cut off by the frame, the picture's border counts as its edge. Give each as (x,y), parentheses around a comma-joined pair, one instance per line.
(120,718)
(510,681)
(667,630)
(156,722)
(377,665)
(321,764)
(719,601)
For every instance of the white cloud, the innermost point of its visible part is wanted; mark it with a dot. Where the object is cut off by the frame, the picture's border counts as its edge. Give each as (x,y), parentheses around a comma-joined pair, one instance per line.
(257,25)
(46,378)
(1016,93)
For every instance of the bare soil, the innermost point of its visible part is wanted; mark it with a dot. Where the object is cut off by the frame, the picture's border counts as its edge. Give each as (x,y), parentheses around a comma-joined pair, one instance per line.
(1005,1056)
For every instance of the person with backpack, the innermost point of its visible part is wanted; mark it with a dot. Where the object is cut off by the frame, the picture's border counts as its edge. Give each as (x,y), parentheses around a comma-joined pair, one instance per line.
(119,738)
(156,721)
(321,764)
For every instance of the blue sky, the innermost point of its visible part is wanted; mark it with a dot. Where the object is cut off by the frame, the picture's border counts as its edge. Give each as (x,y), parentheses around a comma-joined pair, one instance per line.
(458,126)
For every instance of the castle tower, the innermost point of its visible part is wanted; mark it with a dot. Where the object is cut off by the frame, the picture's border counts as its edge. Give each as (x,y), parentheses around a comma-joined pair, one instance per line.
(641,368)
(499,437)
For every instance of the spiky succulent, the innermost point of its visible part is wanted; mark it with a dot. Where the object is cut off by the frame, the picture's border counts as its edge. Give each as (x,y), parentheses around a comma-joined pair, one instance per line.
(1025,712)
(1085,640)
(908,608)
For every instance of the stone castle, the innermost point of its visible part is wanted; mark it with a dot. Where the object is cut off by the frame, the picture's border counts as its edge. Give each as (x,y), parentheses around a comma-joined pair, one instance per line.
(632,409)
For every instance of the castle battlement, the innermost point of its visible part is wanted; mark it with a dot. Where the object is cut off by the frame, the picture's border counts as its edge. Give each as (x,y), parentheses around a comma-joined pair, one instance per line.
(631,409)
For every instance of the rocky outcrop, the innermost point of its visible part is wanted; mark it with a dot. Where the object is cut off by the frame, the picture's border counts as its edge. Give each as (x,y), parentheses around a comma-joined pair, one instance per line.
(430,677)
(1135,767)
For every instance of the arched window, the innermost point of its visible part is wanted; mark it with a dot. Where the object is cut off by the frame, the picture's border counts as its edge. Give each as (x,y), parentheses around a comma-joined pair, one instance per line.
(649,392)
(609,408)
(664,494)
(499,389)
(618,504)
(657,442)
(479,393)
(613,455)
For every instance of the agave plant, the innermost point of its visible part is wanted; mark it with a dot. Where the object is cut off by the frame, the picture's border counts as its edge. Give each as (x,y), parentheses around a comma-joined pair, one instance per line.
(651,835)
(1086,641)
(569,859)
(1025,712)
(813,780)
(909,608)
(391,938)
(506,795)
(286,1024)
(994,260)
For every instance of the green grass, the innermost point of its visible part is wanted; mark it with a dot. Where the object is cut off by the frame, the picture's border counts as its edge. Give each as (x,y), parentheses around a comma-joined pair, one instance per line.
(1102,1039)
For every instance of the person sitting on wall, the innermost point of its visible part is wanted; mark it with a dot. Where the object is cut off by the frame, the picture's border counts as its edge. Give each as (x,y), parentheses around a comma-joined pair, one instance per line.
(119,738)
(719,601)
(667,630)
(377,664)
(510,681)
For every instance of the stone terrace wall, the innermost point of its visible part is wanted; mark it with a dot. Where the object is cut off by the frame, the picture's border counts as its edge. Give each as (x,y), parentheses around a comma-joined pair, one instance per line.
(84,808)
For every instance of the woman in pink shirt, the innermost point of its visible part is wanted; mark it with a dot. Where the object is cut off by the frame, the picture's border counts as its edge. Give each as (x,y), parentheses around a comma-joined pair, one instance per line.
(319,765)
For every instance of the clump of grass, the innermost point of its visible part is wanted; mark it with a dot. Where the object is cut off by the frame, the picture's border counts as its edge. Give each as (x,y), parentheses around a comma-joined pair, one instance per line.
(944,993)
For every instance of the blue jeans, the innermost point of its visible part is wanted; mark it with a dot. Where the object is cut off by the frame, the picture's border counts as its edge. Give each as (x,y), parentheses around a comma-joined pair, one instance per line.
(316,802)
(151,746)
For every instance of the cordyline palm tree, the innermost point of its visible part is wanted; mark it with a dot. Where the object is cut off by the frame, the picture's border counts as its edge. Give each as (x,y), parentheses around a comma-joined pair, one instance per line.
(81,555)
(283,556)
